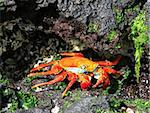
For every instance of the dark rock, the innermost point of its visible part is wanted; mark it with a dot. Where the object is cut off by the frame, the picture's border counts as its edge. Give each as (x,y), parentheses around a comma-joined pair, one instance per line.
(44,3)
(11,36)
(148,17)
(132,89)
(97,11)
(123,3)
(10,5)
(33,110)
(88,105)
(20,43)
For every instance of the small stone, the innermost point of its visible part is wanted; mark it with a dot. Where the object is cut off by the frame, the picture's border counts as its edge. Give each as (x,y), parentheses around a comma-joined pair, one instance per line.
(129,110)
(76,48)
(147,81)
(47,59)
(55,109)
(38,89)
(18,88)
(143,81)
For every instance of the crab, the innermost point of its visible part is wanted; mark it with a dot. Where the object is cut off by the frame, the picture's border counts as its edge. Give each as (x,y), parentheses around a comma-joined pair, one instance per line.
(75,67)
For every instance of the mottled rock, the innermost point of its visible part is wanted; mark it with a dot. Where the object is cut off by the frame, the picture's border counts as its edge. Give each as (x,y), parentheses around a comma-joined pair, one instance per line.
(97,11)
(11,36)
(33,110)
(21,41)
(88,105)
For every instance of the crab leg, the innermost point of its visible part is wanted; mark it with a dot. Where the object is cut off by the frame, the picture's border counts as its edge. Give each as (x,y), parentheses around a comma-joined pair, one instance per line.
(72,54)
(54,70)
(42,66)
(60,77)
(72,80)
(108,63)
(111,71)
(101,79)
(106,83)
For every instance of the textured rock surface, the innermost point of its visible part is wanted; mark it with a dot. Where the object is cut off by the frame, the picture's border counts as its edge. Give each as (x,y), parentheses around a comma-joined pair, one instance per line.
(20,43)
(31,29)
(88,105)
(101,12)
(24,27)
(34,110)
(11,36)
(97,11)
(148,16)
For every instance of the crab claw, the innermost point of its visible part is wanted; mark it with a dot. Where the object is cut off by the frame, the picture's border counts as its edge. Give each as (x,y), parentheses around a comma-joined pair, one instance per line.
(103,76)
(101,80)
(85,81)
(85,85)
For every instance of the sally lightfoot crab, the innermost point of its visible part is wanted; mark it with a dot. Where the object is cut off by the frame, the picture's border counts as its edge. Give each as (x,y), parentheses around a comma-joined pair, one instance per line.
(75,67)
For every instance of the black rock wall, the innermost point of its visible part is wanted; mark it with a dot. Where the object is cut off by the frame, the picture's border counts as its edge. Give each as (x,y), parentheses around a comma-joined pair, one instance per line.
(31,28)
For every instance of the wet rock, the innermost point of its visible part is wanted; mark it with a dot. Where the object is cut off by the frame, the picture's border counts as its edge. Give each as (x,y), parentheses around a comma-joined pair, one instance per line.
(88,105)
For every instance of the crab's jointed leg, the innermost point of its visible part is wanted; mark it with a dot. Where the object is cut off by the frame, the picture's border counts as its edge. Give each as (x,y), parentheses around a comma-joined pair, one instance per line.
(43,65)
(106,83)
(72,78)
(108,63)
(103,76)
(85,81)
(111,71)
(55,69)
(60,77)
(72,54)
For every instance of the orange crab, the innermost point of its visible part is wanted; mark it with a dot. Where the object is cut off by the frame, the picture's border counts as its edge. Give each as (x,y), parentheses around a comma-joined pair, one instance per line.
(76,67)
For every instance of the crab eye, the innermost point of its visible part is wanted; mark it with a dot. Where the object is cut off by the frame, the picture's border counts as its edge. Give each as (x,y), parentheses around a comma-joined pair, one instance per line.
(83,67)
(86,72)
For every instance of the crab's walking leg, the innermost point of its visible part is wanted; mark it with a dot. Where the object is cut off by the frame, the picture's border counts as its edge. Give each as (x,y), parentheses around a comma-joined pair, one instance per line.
(42,66)
(54,70)
(72,78)
(106,83)
(101,79)
(111,71)
(108,63)
(72,54)
(60,77)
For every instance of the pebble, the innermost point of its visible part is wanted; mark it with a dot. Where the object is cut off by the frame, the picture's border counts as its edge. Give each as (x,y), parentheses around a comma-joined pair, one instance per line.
(147,81)
(38,89)
(55,109)
(129,110)
(18,88)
